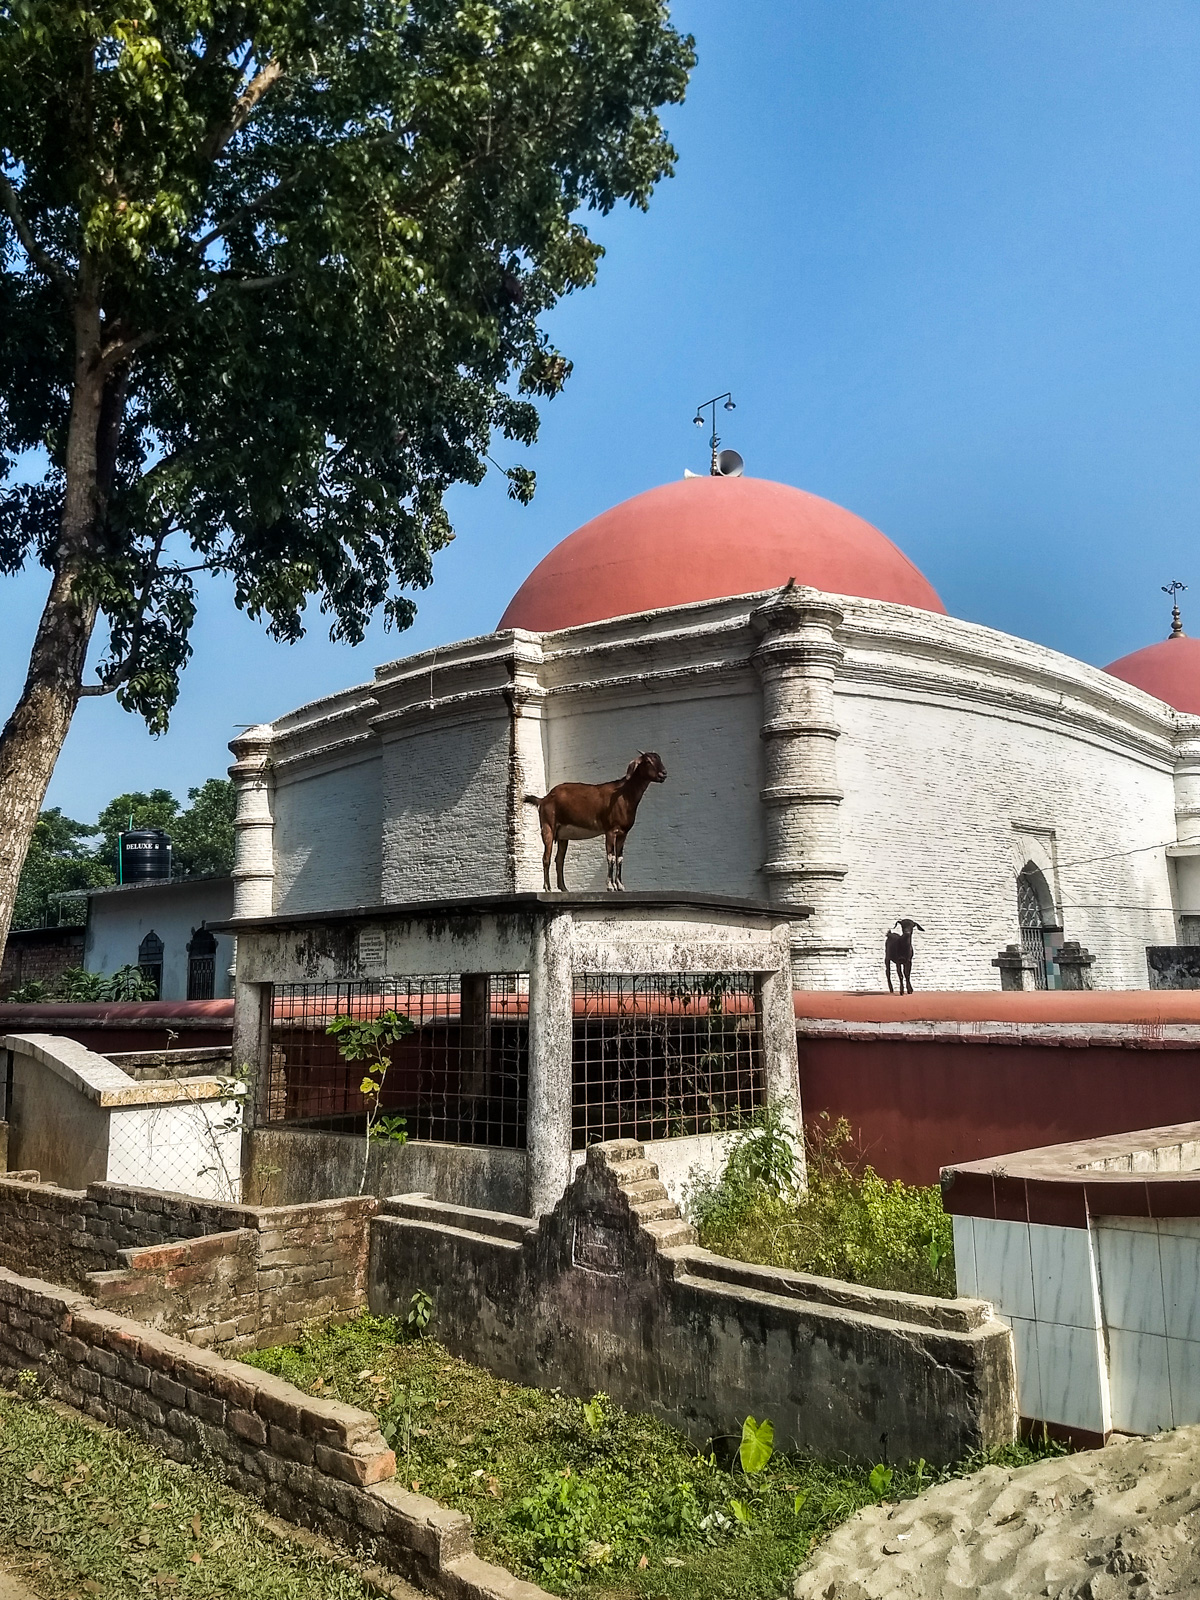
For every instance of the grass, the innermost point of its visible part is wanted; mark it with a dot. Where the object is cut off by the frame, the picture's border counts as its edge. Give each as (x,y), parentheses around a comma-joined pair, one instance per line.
(847,1223)
(584,1498)
(88,1512)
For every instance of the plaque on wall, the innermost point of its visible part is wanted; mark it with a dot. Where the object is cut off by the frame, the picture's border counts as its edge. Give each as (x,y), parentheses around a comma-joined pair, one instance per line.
(372,949)
(598,1248)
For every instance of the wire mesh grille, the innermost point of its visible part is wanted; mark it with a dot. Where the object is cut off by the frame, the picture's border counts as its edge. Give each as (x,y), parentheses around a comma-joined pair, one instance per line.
(657,1057)
(459,1077)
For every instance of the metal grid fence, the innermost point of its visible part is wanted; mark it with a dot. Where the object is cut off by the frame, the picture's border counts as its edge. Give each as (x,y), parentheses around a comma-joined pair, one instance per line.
(658,1057)
(458,1078)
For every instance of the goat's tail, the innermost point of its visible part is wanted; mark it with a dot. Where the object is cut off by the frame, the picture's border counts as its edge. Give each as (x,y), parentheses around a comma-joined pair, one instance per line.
(533,799)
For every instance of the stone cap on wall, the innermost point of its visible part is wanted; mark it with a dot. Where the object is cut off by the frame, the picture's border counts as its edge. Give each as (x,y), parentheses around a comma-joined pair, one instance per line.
(530,902)
(106,1085)
(1153,1172)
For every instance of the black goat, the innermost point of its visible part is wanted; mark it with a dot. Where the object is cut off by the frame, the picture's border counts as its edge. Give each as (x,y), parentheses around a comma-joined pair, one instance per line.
(898,952)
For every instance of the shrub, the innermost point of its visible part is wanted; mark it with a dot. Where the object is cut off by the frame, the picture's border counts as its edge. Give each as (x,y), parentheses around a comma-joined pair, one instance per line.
(847,1223)
(74,984)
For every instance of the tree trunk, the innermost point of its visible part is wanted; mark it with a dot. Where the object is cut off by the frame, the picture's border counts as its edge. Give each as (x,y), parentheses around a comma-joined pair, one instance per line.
(33,736)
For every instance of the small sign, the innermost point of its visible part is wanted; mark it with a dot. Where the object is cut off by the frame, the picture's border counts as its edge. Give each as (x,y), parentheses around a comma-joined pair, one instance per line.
(598,1248)
(372,949)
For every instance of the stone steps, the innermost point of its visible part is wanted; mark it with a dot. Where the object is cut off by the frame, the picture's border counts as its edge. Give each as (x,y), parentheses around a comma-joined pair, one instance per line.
(638,1180)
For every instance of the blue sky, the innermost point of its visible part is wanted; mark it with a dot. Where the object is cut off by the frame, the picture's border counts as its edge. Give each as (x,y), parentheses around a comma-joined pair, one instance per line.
(946,255)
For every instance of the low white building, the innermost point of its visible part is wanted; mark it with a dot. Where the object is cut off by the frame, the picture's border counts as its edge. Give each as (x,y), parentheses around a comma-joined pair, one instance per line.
(831,737)
(164,927)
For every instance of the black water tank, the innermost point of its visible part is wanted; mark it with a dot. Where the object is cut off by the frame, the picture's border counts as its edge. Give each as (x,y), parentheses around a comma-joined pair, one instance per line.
(145,855)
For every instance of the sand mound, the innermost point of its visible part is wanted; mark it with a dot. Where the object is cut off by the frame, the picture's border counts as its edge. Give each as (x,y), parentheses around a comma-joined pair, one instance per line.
(1122,1521)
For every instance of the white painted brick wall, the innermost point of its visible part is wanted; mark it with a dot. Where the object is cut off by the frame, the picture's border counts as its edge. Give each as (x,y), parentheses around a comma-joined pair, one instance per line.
(445,799)
(327,832)
(932,796)
(702,830)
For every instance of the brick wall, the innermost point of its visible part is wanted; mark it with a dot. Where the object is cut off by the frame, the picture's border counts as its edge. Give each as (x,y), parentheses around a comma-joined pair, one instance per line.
(41,953)
(225,1276)
(317,1462)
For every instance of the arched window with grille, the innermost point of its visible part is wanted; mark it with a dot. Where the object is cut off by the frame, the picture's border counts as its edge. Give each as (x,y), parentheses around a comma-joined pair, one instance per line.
(1037,921)
(150,960)
(202,964)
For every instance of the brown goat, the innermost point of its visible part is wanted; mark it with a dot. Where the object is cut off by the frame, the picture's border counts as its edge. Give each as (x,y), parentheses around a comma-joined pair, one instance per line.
(898,953)
(587,810)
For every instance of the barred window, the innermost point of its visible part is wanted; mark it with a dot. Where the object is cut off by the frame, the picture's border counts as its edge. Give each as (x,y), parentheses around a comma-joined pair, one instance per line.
(459,1078)
(658,1057)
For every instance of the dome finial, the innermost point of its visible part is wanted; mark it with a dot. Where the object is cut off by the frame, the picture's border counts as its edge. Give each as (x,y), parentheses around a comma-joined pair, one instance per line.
(1175,589)
(716,470)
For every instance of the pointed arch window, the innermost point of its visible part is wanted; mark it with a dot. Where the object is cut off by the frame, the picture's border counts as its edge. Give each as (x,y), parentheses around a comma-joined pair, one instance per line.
(202,964)
(150,960)
(1038,922)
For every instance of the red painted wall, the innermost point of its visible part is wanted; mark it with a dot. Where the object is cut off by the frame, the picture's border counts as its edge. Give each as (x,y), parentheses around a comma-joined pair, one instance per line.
(919,1105)
(127,1025)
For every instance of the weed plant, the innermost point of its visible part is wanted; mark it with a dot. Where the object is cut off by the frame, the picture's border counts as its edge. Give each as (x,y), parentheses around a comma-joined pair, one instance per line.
(584,1497)
(847,1223)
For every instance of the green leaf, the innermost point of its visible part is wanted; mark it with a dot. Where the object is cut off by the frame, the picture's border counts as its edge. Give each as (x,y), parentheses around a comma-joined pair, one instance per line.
(880,1480)
(742,1512)
(757,1446)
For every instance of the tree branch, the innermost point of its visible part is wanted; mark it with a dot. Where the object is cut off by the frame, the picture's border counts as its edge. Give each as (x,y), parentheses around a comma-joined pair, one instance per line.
(123,670)
(243,107)
(40,258)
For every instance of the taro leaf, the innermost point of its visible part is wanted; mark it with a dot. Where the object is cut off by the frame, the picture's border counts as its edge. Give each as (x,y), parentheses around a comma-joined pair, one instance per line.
(880,1480)
(757,1446)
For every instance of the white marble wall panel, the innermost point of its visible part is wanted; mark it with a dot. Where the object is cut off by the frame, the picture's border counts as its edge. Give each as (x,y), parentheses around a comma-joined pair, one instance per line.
(1150,1290)
(1043,1280)
(966,1280)
(1003,1269)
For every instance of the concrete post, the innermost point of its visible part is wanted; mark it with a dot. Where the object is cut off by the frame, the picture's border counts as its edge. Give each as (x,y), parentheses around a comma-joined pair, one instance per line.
(781,1064)
(254,859)
(1074,965)
(1016,968)
(251,1055)
(475,1031)
(551,1019)
(797,659)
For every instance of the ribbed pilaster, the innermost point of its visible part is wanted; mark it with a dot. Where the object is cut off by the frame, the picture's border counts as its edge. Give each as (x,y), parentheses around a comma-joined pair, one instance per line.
(797,658)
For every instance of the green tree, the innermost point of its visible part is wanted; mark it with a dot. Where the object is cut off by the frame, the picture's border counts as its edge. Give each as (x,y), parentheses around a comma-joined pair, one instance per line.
(60,858)
(271,281)
(203,833)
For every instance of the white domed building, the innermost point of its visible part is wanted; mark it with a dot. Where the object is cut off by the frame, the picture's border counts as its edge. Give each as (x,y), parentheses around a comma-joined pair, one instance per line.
(832,740)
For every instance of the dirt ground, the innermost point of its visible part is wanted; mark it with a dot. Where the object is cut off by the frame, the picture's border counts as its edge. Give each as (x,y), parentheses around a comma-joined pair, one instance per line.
(1122,1521)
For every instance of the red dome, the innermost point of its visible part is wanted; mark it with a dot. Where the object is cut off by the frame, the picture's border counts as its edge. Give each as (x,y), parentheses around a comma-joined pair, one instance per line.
(1169,669)
(705,539)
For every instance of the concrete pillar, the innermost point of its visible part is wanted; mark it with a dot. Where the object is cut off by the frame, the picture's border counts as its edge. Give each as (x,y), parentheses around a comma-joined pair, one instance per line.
(1016,968)
(526,764)
(551,1019)
(781,1065)
(254,859)
(475,1028)
(797,659)
(1074,965)
(251,1055)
